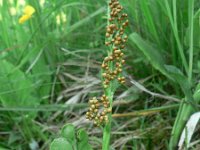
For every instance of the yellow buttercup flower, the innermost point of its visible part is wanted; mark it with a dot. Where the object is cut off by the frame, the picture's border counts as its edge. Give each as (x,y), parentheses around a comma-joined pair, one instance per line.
(28,12)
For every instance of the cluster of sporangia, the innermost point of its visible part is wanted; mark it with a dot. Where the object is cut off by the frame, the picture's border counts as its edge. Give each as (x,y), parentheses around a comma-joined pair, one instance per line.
(93,113)
(112,65)
(116,41)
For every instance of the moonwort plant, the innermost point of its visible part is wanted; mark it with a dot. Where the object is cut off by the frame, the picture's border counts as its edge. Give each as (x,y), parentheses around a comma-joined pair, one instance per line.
(111,72)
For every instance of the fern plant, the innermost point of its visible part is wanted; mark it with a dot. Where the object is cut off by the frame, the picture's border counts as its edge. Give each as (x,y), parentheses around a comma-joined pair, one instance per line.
(111,73)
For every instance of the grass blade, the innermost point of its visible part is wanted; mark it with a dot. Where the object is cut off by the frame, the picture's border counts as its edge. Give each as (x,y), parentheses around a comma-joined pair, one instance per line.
(190,21)
(153,55)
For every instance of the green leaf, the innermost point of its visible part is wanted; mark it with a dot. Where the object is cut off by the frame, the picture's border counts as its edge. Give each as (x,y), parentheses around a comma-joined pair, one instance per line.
(186,109)
(154,56)
(181,79)
(77,141)
(82,135)
(83,140)
(1,148)
(68,132)
(17,89)
(196,33)
(60,144)
(197,94)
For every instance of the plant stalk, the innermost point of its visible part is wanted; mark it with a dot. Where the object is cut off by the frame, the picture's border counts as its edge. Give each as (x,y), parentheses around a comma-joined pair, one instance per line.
(107,127)
(115,39)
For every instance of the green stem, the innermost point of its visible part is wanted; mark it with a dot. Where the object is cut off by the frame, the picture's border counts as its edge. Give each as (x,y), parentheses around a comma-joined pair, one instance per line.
(190,21)
(106,135)
(108,92)
(107,127)
(182,117)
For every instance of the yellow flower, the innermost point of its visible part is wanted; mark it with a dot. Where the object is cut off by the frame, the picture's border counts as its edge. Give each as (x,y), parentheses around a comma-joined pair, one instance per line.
(28,12)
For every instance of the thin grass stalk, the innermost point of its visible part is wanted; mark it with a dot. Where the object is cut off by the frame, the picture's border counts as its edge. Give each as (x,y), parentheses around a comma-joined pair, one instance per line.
(150,22)
(190,21)
(175,31)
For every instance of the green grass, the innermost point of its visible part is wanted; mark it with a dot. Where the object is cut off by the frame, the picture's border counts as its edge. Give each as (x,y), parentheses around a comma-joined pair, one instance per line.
(48,72)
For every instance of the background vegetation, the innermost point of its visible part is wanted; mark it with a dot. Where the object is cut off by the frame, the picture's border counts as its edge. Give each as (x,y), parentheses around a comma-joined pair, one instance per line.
(50,66)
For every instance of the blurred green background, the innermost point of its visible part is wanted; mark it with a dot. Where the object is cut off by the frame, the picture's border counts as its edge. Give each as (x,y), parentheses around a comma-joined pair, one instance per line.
(50,66)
